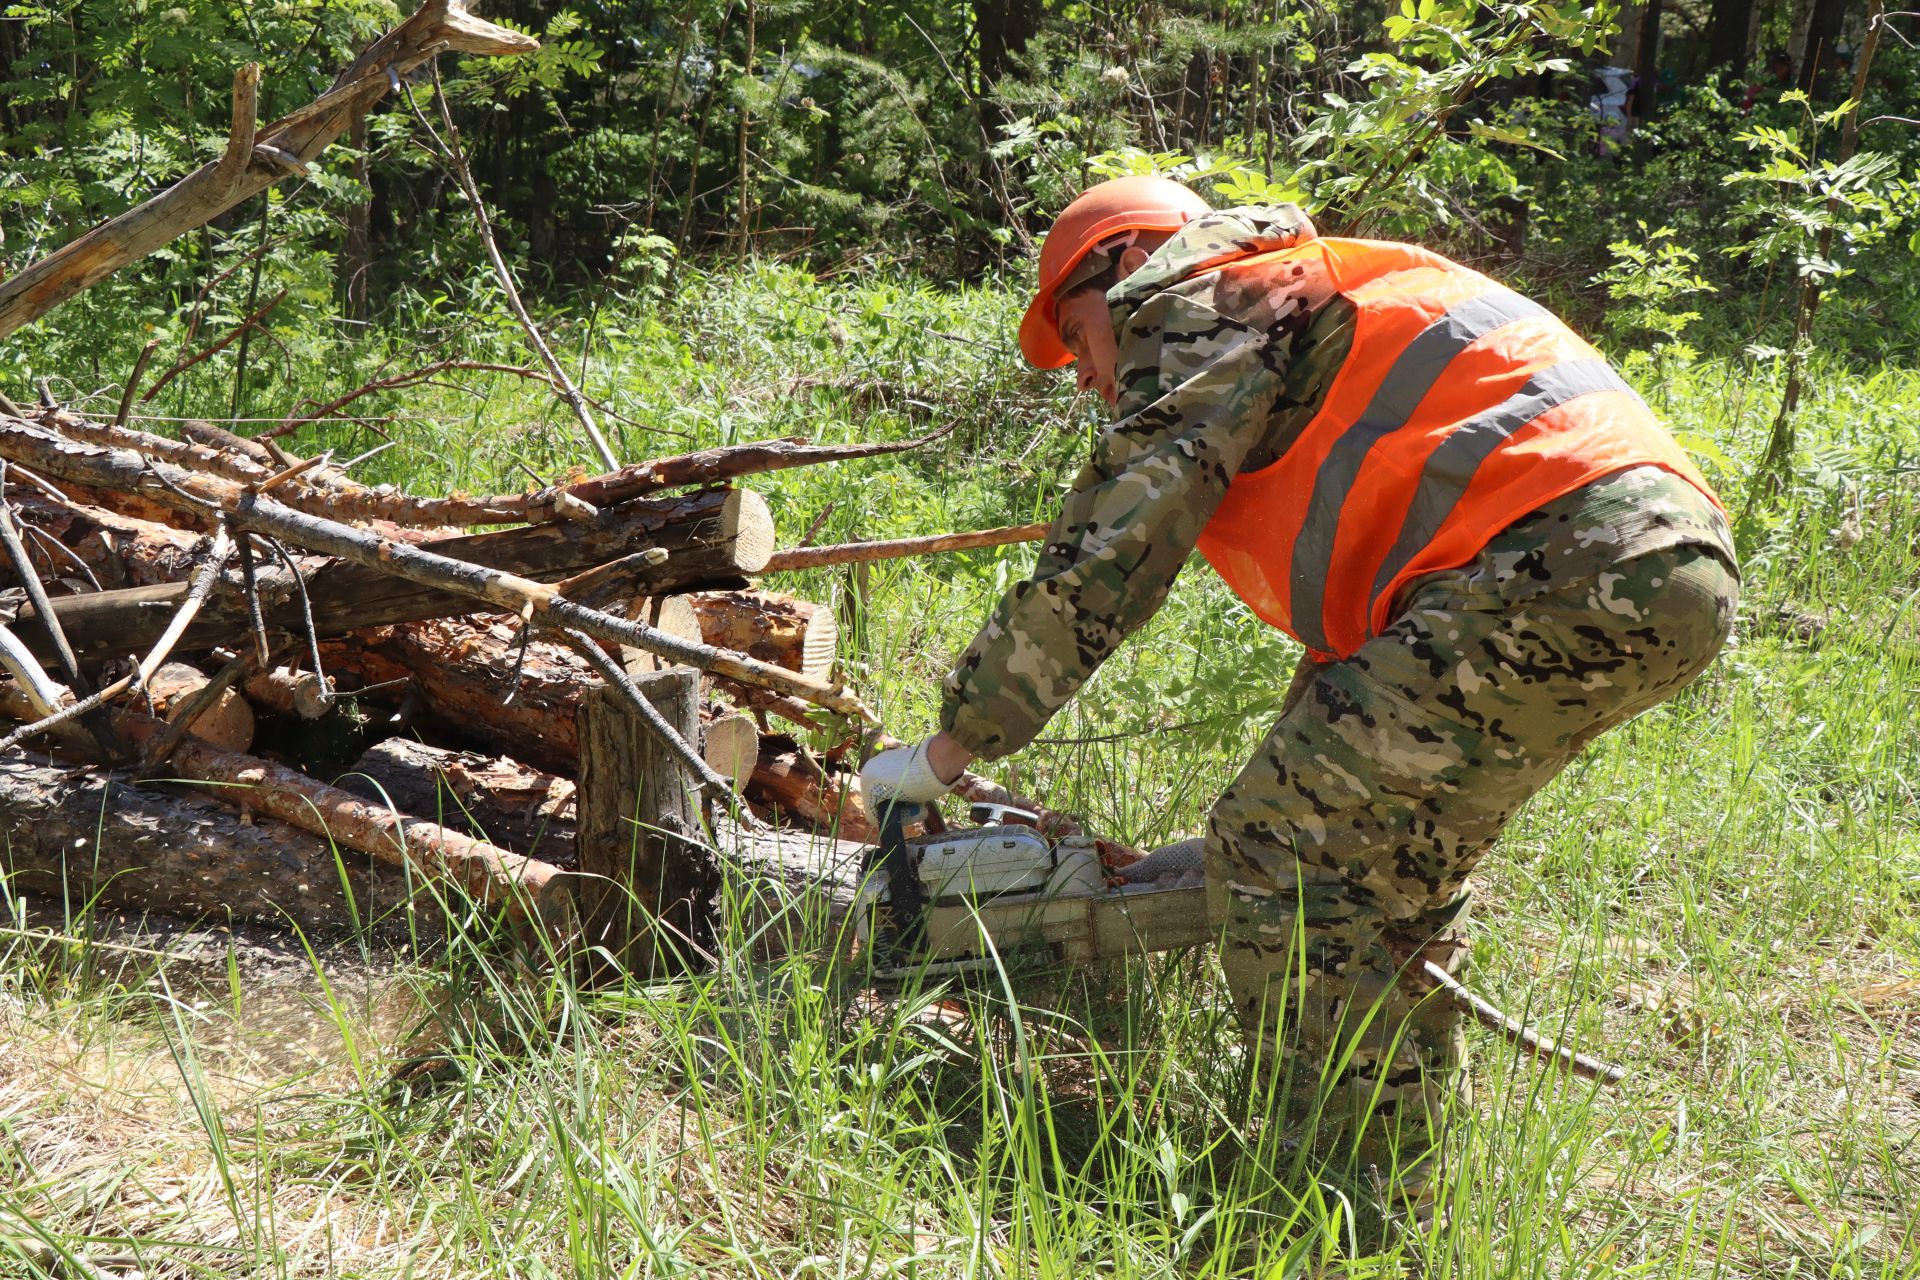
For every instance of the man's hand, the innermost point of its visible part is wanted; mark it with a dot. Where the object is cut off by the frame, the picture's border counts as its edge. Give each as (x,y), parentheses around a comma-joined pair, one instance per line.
(918,774)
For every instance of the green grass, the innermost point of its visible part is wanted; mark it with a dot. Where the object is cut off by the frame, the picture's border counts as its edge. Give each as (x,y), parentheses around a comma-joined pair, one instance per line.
(1724,896)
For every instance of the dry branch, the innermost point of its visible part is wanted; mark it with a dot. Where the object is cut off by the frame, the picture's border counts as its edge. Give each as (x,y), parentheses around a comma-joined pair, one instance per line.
(51,454)
(896,548)
(340,498)
(254,160)
(709,538)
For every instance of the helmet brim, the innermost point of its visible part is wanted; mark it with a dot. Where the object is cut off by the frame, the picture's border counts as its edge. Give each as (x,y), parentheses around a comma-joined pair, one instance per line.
(1040,334)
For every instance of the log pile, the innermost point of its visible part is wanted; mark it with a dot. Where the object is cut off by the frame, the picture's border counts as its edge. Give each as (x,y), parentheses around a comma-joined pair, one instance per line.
(243,683)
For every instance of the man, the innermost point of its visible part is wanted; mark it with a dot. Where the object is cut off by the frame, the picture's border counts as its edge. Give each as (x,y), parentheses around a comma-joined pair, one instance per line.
(1489,548)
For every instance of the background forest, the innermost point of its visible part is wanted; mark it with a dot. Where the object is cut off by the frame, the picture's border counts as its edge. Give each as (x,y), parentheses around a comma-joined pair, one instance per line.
(737,219)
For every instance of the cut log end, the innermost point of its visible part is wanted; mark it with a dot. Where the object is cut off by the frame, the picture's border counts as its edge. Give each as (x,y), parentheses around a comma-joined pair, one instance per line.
(777,629)
(227,724)
(748,522)
(671,614)
(732,747)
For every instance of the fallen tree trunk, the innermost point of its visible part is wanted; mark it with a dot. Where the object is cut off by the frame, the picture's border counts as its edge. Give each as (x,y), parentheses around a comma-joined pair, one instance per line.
(721,535)
(786,632)
(525,888)
(97,840)
(494,798)
(462,670)
(82,546)
(51,454)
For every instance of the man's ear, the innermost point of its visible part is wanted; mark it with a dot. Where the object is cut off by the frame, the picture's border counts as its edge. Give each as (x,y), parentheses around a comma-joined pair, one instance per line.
(1132,258)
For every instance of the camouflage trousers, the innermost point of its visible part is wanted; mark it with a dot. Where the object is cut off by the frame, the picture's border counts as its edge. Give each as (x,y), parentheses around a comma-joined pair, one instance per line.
(1339,857)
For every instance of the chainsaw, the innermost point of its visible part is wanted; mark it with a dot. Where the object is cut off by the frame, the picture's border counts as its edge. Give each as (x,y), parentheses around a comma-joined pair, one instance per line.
(959,899)
(950,901)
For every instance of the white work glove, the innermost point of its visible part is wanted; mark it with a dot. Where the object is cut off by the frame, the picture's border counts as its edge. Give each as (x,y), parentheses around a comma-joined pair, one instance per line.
(899,774)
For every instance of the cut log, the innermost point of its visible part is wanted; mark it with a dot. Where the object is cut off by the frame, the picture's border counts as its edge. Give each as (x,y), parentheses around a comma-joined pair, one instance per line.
(461,670)
(774,628)
(96,840)
(787,783)
(524,888)
(719,535)
(116,550)
(639,826)
(671,614)
(227,724)
(493,798)
(732,746)
(325,492)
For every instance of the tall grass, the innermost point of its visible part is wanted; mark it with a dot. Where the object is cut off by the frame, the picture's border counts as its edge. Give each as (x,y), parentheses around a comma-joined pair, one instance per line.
(1723,895)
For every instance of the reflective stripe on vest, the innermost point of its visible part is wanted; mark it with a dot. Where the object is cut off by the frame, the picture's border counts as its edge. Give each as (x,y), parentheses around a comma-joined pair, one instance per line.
(1460,407)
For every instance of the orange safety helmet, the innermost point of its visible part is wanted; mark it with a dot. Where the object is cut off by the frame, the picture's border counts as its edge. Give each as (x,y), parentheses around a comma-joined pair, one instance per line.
(1144,203)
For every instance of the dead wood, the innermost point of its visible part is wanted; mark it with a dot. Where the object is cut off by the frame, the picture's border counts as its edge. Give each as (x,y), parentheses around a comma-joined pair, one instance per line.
(461,670)
(227,724)
(254,159)
(97,840)
(74,546)
(494,798)
(671,614)
(522,886)
(731,745)
(787,783)
(777,629)
(715,536)
(864,552)
(341,498)
(639,824)
(50,454)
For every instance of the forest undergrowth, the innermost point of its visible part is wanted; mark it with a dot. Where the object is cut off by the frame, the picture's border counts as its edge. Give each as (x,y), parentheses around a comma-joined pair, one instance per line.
(1724,896)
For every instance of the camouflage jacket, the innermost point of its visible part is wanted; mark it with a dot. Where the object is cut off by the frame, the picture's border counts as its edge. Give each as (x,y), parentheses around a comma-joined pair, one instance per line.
(1219,372)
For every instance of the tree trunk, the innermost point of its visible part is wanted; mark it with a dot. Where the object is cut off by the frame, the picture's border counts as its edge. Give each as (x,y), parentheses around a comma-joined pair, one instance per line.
(523,888)
(1818,42)
(1727,25)
(119,551)
(1646,64)
(786,632)
(493,798)
(97,841)
(639,826)
(787,782)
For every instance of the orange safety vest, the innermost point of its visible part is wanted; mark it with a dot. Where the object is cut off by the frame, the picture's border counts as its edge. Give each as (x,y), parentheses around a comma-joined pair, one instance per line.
(1460,408)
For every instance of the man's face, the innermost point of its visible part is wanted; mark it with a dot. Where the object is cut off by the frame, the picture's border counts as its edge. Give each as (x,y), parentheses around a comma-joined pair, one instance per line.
(1086,329)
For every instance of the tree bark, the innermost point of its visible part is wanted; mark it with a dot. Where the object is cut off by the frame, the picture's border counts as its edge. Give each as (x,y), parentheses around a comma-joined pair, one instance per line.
(639,826)
(1646,63)
(461,671)
(788,783)
(117,550)
(96,840)
(248,509)
(523,888)
(1727,24)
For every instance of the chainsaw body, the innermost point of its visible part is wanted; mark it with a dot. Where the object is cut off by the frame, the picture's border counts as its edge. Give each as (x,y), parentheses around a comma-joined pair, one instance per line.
(958,899)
